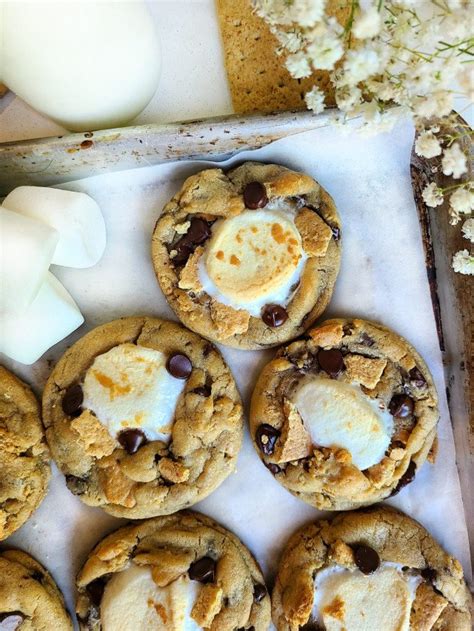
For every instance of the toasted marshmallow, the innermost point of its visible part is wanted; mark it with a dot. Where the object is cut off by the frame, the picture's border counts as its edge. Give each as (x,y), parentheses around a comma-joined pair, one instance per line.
(347,599)
(252,260)
(338,414)
(133,602)
(129,388)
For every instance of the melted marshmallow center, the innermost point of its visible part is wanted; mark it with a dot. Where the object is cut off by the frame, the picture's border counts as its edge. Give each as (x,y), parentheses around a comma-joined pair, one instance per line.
(129,387)
(252,260)
(132,601)
(350,600)
(338,414)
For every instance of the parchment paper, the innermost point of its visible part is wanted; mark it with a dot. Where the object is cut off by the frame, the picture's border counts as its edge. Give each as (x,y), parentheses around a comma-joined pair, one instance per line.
(382,277)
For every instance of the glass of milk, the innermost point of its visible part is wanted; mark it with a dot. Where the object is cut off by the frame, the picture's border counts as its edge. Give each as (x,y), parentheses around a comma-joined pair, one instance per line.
(86,64)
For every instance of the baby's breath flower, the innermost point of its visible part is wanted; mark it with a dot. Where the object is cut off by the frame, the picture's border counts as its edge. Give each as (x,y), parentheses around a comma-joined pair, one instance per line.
(325,51)
(298,65)
(291,40)
(432,195)
(367,24)
(427,145)
(360,64)
(454,161)
(463,262)
(315,100)
(462,201)
(468,229)
(347,97)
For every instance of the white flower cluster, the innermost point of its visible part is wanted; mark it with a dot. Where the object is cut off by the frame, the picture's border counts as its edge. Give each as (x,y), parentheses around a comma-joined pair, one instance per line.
(379,53)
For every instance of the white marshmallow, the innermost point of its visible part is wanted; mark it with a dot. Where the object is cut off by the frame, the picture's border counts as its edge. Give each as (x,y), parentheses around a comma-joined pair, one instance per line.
(133,602)
(338,414)
(348,599)
(76,217)
(252,260)
(51,317)
(26,250)
(129,387)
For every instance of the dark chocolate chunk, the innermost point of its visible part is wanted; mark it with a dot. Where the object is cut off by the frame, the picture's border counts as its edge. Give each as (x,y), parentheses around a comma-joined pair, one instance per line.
(259,592)
(401,406)
(273,468)
(96,591)
(429,574)
(179,366)
(183,251)
(255,195)
(203,391)
(266,437)
(331,361)
(366,340)
(199,231)
(366,558)
(274,315)
(406,478)
(203,570)
(417,378)
(72,400)
(131,440)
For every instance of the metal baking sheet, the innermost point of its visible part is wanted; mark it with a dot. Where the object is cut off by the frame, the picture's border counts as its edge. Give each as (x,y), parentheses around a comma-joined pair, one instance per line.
(382,277)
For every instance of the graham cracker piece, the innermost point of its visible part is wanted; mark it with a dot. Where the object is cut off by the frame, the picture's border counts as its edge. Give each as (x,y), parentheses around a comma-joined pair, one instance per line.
(364,370)
(295,442)
(315,233)
(258,78)
(427,608)
(166,565)
(207,605)
(3,90)
(94,436)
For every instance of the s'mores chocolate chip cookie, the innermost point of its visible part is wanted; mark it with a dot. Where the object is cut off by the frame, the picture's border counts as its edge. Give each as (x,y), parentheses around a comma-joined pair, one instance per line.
(24,455)
(248,257)
(369,570)
(143,417)
(345,416)
(29,598)
(183,572)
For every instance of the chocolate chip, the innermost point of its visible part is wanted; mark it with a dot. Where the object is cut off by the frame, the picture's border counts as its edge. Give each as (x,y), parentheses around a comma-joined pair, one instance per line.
(366,558)
(203,570)
(179,366)
(198,231)
(429,574)
(255,195)
(401,406)
(274,315)
(406,478)
(366,340)
(131,440)
(347,329)
(37,576)
(266,437)
(311,626)
(72,400)
(76,485)
(184,249)
(203,391)
(11,621)
(96,591)
(259,592)
(273,468)
(417,378)
(331,361)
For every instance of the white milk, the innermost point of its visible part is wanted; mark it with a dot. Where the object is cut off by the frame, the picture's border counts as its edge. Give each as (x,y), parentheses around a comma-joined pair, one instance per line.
(88,65)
